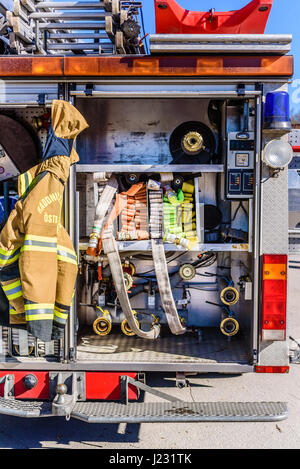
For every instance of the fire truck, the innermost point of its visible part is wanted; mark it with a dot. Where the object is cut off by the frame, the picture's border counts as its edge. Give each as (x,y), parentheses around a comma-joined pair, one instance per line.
(185,162)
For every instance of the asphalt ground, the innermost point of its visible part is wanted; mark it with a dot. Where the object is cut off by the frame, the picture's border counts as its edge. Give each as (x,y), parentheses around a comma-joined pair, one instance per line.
(57,433)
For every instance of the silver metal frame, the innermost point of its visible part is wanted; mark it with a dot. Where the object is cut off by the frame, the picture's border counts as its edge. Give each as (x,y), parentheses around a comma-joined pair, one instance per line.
(203,367)
(213,90)
(256,225)
(225,43)
(37,364)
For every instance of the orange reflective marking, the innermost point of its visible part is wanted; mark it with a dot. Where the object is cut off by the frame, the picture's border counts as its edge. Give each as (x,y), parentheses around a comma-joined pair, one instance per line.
(179,66)
(31,66)
(226,66)
(274,272)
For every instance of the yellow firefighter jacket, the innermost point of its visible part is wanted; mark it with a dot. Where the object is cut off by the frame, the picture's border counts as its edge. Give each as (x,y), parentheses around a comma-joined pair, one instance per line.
(38,264)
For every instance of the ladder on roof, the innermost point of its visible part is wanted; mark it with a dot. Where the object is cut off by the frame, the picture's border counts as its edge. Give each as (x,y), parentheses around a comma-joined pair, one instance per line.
(71,27)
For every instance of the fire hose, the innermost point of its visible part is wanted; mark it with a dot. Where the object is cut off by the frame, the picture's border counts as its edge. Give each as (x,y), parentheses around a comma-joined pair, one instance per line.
(110,248)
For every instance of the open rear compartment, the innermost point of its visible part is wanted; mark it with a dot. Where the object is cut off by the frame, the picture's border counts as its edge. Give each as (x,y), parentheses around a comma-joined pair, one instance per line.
(184,171)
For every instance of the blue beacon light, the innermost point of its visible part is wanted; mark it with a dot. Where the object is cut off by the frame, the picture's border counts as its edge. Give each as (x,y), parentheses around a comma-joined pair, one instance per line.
(277,111)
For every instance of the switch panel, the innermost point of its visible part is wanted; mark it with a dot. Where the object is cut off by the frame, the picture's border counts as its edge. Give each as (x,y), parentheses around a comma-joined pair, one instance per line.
(240,165)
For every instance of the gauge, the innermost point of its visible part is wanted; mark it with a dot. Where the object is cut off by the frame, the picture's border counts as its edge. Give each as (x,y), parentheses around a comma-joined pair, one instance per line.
(242,160)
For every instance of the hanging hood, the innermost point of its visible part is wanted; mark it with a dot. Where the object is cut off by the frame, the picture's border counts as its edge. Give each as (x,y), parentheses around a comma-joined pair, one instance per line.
(66,123)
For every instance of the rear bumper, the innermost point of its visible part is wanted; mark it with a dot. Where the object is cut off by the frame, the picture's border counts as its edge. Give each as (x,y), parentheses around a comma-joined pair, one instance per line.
(67,396)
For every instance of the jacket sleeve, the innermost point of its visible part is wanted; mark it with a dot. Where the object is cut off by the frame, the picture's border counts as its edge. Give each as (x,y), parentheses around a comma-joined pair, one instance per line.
(11,241)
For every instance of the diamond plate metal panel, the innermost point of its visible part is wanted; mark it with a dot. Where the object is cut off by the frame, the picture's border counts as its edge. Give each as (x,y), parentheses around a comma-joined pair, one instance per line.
(30,409)
(98,412)
(116,348)
(106,412)
(274,221)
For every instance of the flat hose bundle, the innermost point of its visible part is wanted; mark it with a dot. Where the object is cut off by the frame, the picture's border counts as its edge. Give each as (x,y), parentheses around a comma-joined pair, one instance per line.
(135,215)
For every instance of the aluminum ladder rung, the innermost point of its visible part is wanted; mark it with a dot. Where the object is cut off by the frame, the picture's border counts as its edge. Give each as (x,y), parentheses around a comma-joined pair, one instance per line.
(70,5)
(65,5)
(76,15)
(80,46)
(79,25)
(77,36)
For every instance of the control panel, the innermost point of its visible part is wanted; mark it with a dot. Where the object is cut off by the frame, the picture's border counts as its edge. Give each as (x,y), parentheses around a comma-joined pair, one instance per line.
(240,165)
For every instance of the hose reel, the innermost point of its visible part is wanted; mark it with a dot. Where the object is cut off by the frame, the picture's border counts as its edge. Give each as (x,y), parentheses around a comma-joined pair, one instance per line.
(192,143)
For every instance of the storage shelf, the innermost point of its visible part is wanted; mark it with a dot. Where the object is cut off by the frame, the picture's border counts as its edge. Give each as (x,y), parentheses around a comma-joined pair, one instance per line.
(143,168)
(146,246)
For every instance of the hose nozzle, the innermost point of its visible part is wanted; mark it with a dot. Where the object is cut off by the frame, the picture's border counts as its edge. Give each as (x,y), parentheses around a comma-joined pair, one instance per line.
(103,324)
(125,328)
(229,327)
(229,296)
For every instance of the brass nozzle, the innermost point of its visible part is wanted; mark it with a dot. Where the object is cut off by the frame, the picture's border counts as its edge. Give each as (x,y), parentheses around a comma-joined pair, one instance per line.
(102,325)
(229,327)
(192,142)
(125,326)
(229,296)
(126,329)
(30,349)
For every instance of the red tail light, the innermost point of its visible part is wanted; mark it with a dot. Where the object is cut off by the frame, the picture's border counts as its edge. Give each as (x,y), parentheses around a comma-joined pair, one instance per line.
(272,369)
(274,296)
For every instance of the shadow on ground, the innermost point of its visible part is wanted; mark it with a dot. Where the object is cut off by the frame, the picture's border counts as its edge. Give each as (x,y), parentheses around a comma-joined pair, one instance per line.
(18,433)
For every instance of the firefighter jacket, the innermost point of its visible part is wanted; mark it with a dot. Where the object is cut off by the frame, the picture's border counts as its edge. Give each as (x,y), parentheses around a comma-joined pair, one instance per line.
(38,264)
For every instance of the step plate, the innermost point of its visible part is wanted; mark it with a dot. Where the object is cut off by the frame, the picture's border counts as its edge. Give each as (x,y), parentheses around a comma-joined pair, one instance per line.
(28,409)
(97,412)
(107,412)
